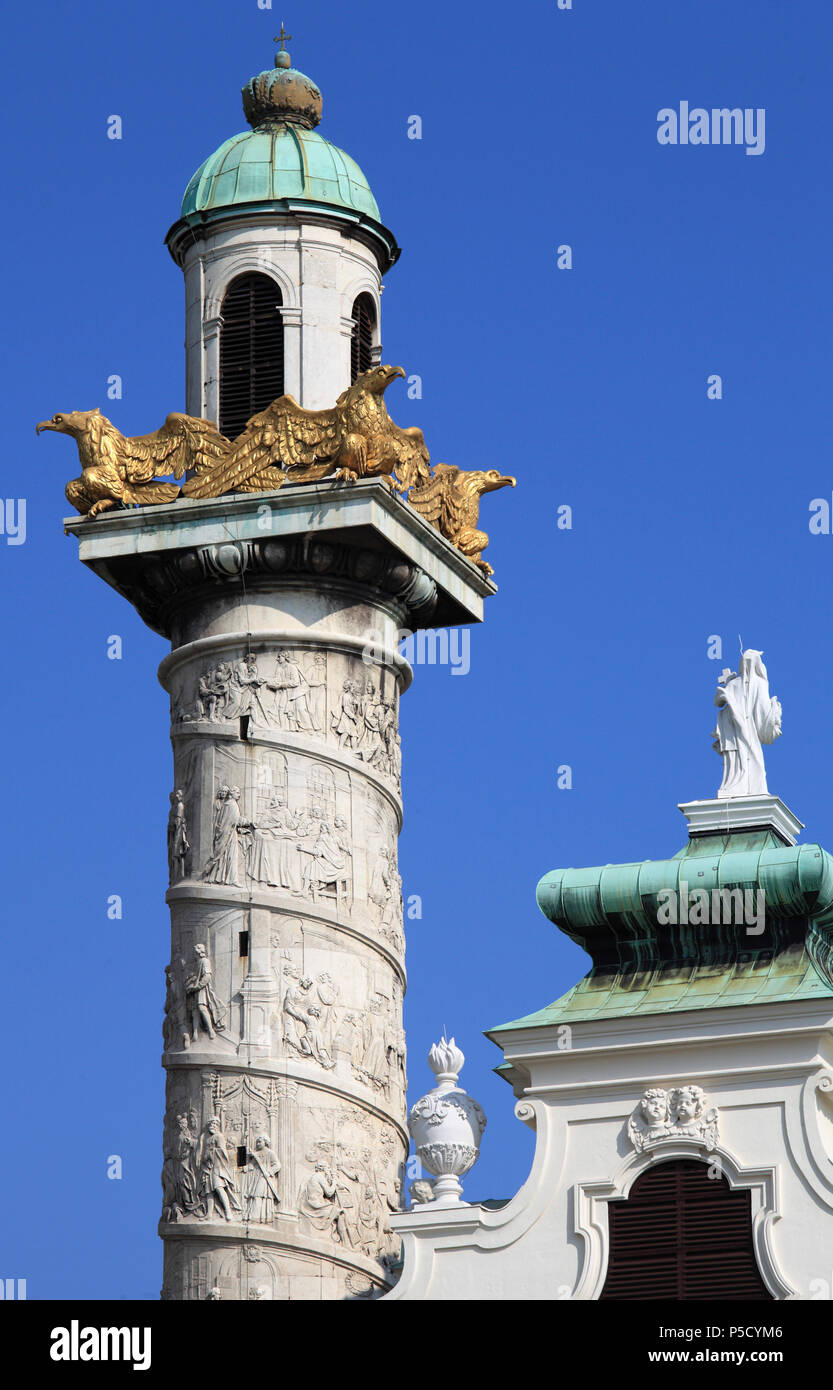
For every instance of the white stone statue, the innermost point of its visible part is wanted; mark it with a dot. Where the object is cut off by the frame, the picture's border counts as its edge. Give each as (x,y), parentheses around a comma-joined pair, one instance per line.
(748,717)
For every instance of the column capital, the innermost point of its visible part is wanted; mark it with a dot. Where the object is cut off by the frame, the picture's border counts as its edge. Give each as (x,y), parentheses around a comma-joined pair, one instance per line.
(359,535)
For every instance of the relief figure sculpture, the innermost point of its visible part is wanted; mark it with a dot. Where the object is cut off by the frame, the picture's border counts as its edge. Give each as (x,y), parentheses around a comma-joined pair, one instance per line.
(273,857)
(204,1009)
(244,697)
(345,721)
(178,846)
(292,709)
(317,682)
(216,1177)
(302,1027)
(224,864)
(319,1202)
(261,1188)
(175,1025)
(328,865)
(179,1174)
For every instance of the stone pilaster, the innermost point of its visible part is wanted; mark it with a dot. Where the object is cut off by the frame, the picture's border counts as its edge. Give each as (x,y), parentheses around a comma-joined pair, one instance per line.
(284,1132)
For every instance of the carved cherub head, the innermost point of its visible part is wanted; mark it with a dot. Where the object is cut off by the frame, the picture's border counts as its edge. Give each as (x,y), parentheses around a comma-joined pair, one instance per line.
(687,1104)
(655,1106)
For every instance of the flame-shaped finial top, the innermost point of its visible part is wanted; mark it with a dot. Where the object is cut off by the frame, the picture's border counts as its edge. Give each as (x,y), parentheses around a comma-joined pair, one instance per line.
(446,1060)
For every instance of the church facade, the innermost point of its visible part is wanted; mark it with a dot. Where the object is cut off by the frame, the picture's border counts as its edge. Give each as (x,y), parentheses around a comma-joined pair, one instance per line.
(681,1094)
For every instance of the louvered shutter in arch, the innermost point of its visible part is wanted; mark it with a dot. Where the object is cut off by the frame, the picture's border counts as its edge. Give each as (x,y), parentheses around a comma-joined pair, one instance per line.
(361,344)
(251,350)
(682,1235)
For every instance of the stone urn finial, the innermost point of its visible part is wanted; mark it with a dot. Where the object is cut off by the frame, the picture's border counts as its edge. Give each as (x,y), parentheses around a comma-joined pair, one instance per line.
(446,1126)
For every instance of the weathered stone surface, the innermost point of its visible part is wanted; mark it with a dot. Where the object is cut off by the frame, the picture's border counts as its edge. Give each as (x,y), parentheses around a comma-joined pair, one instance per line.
(285,1136)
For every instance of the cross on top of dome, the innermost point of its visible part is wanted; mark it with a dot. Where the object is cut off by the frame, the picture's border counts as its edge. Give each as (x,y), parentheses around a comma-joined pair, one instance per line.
(282,58)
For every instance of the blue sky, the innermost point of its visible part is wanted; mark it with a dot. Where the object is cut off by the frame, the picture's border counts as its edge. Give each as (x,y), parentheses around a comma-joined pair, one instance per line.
(690,515)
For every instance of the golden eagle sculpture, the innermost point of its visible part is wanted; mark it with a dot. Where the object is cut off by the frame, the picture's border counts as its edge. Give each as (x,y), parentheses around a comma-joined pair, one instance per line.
(451,502)
(286,443)
(118,469)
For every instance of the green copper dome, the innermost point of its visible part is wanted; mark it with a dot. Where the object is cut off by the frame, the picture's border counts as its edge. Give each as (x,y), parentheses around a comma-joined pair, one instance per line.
(274,162)
(282,156)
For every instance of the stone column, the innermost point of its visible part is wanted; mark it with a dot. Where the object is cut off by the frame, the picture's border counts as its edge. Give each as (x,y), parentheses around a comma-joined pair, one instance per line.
(284,1133)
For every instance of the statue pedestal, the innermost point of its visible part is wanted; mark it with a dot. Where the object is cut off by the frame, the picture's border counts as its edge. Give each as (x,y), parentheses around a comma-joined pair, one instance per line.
(724,816)
(283,1029)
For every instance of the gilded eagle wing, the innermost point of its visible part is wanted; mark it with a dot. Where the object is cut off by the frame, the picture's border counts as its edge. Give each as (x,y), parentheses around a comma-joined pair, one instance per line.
(434,501)
(184,442)
(309,436)
(283,436)
(142,493)
(412,460)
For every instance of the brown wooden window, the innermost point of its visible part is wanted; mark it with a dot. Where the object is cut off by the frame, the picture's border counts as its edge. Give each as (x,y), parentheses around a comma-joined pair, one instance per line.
(361,345)
(682,1235)
(251,350)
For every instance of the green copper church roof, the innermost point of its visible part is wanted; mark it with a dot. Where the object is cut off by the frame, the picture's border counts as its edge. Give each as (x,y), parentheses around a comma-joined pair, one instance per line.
(644,965)
(275,162)
(282,157)
(281,165)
